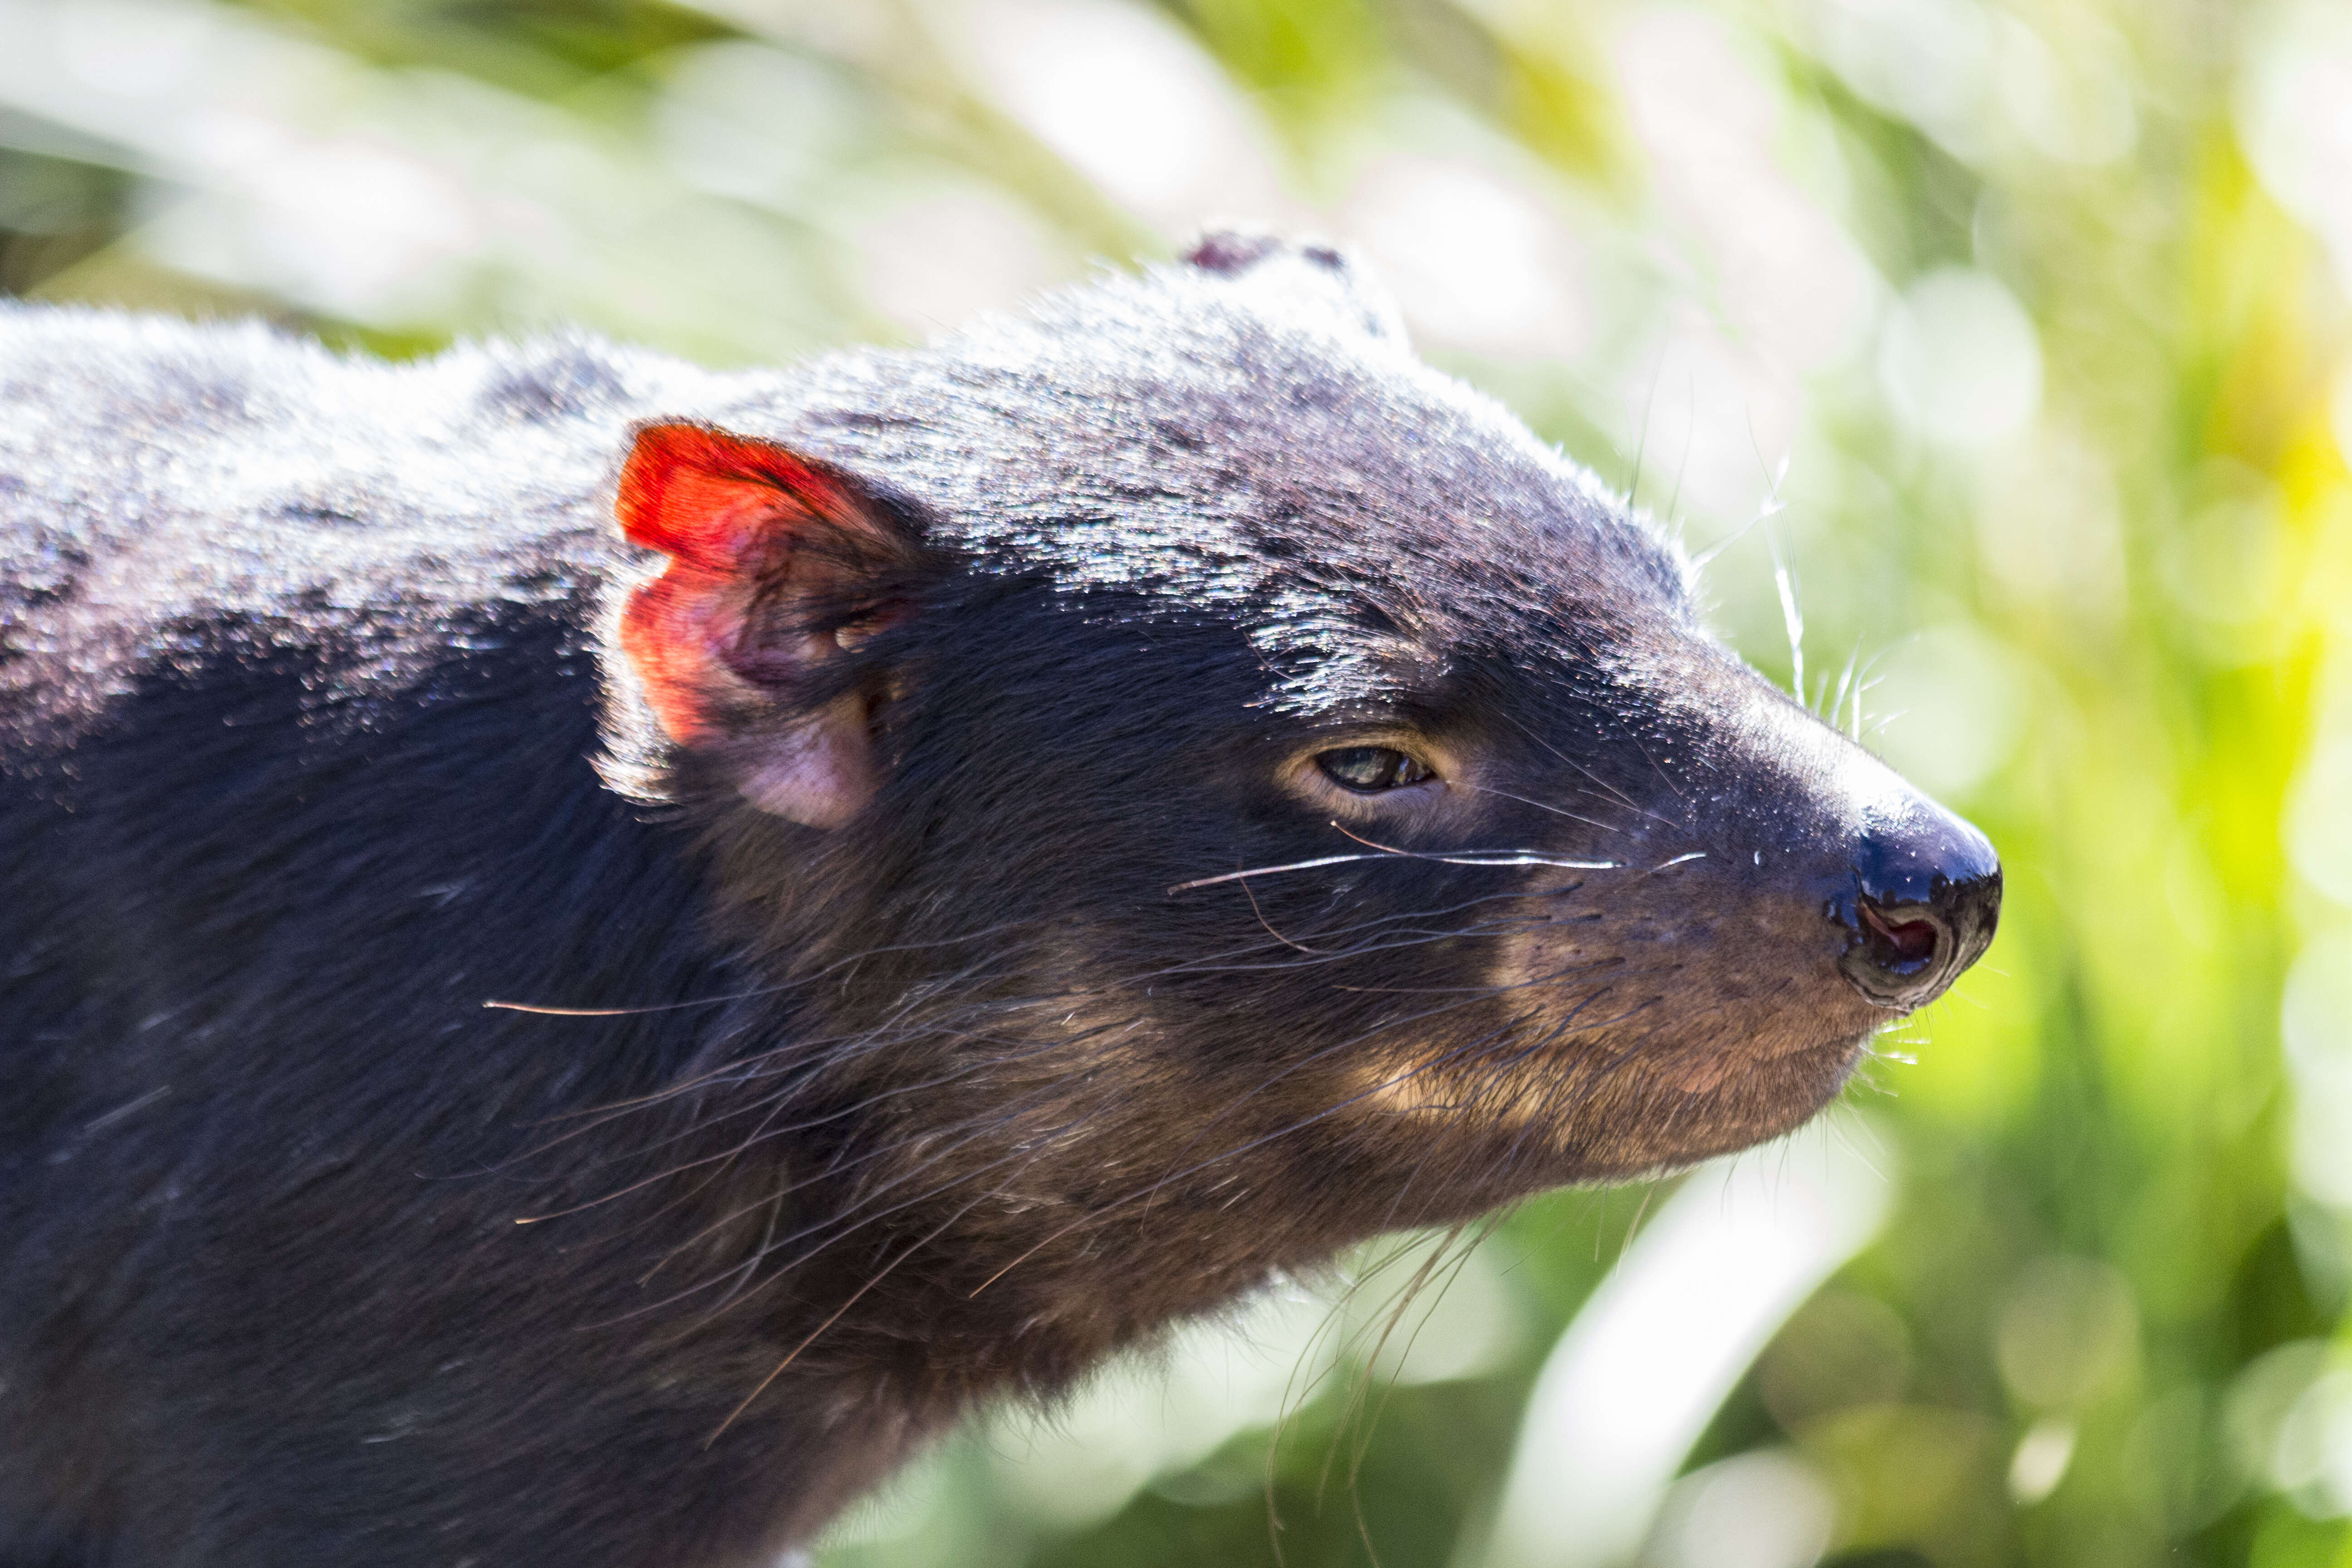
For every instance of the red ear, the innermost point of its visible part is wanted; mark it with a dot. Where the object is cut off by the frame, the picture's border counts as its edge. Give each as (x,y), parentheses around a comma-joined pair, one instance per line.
(716,500)
(732,514)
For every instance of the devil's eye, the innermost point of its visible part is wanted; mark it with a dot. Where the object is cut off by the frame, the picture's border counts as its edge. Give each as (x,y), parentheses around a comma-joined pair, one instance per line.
(1368,769)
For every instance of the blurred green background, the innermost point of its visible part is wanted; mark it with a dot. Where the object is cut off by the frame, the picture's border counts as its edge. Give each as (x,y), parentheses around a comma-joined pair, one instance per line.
(1997,355)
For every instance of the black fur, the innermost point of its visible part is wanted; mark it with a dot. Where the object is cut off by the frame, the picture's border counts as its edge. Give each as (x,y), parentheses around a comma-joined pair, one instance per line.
(313,741)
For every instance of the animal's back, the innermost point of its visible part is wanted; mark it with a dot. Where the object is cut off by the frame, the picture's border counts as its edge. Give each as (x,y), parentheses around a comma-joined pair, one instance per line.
(155,474)
(1002,724)
(203,528)
(237,570)
(297,721)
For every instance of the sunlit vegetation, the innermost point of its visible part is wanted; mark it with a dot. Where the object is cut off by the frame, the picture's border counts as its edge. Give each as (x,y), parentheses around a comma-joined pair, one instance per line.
(1996,357)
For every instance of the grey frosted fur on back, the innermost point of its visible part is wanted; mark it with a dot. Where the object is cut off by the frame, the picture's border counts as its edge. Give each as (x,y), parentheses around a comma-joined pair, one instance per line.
(1202,438)
(154,472)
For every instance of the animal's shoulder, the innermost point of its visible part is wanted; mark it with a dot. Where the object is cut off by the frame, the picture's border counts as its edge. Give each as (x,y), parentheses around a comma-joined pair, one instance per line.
(116,429)
(164,483)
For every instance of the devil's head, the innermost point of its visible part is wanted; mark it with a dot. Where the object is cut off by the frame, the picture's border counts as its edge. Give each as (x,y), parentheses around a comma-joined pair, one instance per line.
(1185,756)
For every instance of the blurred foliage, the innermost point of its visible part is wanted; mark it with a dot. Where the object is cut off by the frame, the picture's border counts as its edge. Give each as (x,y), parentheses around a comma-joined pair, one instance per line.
(2029,320)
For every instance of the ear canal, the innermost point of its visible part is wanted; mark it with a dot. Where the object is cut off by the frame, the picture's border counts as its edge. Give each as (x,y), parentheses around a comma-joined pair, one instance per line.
(755,534)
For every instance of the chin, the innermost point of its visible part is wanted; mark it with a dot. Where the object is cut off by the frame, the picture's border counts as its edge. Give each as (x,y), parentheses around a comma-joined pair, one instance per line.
(1674,1126)
(1576,1120)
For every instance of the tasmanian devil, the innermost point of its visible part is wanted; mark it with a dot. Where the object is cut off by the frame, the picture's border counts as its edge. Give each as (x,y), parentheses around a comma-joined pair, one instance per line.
(592,950)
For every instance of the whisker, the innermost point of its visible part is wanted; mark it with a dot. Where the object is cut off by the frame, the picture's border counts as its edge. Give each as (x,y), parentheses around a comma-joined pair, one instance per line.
(816,1333)
(1486,857)
(1384,851)
(1270,870)
(1102,1213)
(756,993)
(1539,805)
(1277,936)
(1770,509)
(1316,961)
(766,1131)
(604,1012)
(1792,617)
(1600,787)
(784,1270)
(1829,711)
(1211,963)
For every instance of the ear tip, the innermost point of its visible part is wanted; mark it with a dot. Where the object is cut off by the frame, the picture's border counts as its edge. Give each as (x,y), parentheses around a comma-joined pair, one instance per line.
(668,445)
(1306,272)
(1232,250)
(638,502)
(663,443)
(665,499)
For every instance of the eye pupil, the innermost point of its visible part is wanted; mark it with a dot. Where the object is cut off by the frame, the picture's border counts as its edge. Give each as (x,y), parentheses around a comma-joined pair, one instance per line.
(1372,768)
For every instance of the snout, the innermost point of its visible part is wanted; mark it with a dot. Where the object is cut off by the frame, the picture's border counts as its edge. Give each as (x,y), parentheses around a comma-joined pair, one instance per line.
(1921,907)
(1723,994)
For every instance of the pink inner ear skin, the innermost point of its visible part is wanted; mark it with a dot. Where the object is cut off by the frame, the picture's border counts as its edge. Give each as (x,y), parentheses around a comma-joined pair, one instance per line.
(819,772)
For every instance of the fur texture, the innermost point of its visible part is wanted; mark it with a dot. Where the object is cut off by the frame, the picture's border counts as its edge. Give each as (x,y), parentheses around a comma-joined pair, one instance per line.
(317,735)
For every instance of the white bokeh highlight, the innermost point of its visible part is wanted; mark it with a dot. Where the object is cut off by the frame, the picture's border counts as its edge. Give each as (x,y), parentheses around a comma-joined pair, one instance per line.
(1633,1381)
(1959,360)
(1125,97)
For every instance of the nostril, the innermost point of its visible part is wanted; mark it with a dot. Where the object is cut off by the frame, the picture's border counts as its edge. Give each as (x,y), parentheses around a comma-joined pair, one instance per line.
(1899,956)
(1921,905)
(1898,947)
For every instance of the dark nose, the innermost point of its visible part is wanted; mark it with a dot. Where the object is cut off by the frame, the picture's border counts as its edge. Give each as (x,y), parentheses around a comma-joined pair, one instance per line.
(1925,898)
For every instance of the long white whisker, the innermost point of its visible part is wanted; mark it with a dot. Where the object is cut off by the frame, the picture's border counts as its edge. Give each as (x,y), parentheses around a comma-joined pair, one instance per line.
(1539,805)
(1489,856)
(1383,852)
(1769,509)
(1785,579)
